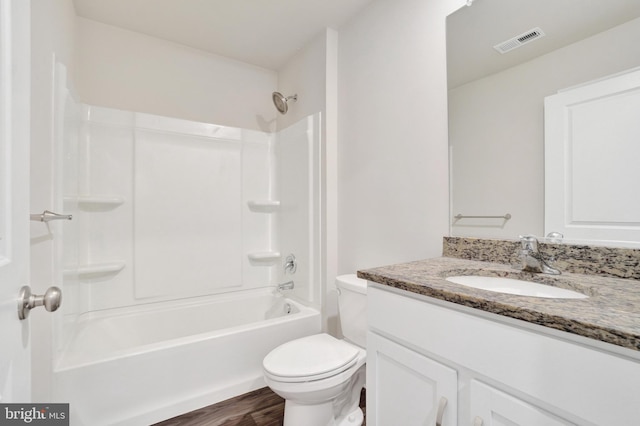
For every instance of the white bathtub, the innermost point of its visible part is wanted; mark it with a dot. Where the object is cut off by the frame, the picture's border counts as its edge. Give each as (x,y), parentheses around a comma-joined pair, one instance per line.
(144,364)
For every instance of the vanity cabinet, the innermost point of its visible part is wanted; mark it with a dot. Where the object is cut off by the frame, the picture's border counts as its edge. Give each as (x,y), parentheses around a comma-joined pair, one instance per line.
(490,370)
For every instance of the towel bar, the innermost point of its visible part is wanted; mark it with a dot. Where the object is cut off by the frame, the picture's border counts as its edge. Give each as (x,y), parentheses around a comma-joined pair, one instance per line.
(460,216)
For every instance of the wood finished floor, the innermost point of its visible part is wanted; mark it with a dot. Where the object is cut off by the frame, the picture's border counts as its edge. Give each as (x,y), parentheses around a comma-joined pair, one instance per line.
(257,408)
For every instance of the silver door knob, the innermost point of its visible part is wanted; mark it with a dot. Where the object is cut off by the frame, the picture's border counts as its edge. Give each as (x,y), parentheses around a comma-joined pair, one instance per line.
(51,300)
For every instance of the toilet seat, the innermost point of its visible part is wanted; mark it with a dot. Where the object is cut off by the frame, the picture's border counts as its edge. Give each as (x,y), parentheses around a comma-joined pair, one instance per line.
(310,358)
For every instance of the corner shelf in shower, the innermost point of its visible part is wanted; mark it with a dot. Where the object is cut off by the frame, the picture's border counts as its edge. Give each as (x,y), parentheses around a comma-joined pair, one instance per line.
(263,206)
(263,257)
(94,269)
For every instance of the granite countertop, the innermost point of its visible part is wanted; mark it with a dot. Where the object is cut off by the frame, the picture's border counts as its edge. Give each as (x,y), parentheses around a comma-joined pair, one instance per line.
(610,314)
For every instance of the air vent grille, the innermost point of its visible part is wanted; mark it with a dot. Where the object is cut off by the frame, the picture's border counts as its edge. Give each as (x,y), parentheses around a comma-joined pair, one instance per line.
(519,40)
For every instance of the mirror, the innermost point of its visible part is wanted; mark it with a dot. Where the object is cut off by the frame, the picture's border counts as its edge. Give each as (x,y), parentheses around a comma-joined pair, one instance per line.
(496,100)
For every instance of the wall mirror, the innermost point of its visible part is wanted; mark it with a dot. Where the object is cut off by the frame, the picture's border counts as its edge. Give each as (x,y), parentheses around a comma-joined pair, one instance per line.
(504,57)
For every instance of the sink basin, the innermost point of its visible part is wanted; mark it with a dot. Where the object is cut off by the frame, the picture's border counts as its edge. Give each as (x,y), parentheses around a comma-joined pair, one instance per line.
(517,287)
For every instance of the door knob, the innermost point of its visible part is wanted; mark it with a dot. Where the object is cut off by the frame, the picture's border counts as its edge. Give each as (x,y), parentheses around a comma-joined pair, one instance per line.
(51,300)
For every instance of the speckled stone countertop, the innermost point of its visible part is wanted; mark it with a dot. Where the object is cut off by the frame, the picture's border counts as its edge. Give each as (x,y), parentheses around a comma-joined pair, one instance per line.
(610,314)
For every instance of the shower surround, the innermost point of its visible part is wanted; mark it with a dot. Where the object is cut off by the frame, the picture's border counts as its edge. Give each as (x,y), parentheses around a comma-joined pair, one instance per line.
(168,212)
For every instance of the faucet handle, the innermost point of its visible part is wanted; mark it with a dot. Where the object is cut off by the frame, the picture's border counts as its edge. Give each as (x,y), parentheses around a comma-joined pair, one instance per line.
(290,264)
(529,242)
(555,237)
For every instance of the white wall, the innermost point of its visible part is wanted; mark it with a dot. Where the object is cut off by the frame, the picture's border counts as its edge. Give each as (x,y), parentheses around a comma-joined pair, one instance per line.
(304,75)
(53,34)
(393,171)
(130,71)
(497,131)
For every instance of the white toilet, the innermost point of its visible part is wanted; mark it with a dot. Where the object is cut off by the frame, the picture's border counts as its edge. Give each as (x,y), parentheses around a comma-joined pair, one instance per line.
(319,376)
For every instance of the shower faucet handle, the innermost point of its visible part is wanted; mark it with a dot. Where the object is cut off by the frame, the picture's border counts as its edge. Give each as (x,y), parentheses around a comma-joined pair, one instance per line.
(290,264)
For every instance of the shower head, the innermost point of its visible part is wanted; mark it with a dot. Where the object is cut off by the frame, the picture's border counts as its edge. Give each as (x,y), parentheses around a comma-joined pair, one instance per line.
(280,101)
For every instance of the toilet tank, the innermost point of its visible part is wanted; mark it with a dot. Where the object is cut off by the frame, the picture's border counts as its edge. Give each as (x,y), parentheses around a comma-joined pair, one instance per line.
(352,306)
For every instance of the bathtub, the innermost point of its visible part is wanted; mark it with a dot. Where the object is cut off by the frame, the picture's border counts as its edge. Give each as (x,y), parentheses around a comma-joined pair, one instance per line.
(143,364)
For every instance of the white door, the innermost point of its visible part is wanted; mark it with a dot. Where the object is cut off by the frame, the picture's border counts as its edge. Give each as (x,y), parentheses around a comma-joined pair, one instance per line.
(591,160)
(15,357)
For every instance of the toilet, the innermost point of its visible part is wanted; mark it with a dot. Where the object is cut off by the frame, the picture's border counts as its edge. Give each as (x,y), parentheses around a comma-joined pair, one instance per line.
(321,377)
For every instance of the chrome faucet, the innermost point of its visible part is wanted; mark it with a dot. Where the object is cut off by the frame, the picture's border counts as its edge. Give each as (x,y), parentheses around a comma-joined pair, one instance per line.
(532,260)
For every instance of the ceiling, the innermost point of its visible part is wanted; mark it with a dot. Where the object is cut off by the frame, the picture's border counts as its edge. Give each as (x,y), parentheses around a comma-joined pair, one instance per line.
(260,32)
(473,31)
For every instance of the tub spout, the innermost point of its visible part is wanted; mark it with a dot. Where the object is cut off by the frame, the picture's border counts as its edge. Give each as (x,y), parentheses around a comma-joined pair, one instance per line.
(285,286)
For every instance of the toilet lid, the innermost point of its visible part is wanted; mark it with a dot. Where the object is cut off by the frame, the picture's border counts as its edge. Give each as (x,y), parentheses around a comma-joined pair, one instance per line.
(310,358)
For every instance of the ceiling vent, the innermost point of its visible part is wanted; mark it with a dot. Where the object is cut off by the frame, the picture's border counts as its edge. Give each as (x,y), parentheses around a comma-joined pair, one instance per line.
(519,40)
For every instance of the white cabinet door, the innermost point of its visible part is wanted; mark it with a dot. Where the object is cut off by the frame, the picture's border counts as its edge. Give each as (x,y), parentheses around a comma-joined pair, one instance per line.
(407,388)
(491,407)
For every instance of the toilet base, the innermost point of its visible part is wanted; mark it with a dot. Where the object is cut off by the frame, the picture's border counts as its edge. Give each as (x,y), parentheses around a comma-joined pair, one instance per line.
(318,415)
(355,418)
